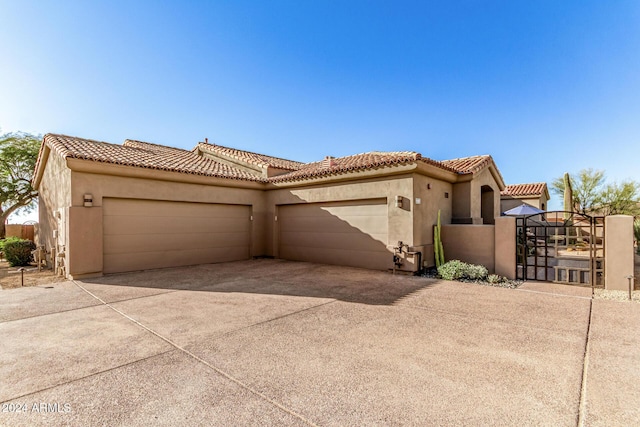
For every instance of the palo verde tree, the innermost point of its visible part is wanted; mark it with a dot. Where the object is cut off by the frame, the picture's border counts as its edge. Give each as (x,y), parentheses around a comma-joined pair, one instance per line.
(591,194)
(18,155)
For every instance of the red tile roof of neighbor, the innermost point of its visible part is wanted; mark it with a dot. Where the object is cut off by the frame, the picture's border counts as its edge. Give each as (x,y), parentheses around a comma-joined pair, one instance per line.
(160,157)
(371,160)
(145,155)
(533,189)
(249,157)
(466,165)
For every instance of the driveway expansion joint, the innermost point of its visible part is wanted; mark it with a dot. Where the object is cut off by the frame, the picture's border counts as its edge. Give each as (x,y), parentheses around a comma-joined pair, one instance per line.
(204,362)
(582,403)
(89,375)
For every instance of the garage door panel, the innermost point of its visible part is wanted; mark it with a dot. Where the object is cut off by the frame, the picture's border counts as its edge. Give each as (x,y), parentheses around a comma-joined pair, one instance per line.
(165,259)
(145,234)
(346,223)
(351,233)
(138,207)
(167,242)
(148,225)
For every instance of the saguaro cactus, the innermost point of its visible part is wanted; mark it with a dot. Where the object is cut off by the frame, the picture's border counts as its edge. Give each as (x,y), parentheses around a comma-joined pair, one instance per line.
(568,196)
(437,243)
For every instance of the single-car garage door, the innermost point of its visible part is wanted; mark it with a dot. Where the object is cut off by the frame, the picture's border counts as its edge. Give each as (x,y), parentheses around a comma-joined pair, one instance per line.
(353,233)
(146,234)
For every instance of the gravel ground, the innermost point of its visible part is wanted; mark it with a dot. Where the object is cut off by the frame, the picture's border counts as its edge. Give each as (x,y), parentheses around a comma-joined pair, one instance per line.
(616,295)
(10,277)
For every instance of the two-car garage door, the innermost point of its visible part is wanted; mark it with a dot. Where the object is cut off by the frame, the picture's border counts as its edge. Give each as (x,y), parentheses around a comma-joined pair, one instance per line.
(146,234)
(353,233)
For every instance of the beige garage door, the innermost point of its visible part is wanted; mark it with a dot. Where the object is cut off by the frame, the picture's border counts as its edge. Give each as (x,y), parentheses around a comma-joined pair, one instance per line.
(146,234)
(345,233)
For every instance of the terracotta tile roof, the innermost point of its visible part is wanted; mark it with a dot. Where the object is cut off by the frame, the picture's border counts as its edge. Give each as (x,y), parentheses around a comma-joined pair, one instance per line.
(144,155)
(371,160)
(249,157)
(467,165)
(533,189)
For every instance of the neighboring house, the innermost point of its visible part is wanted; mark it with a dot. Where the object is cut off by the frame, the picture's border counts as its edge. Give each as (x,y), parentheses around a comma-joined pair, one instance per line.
(534,194)
(115,208)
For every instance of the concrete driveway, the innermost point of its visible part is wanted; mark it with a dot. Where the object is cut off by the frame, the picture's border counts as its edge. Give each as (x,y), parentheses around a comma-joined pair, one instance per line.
(271,342)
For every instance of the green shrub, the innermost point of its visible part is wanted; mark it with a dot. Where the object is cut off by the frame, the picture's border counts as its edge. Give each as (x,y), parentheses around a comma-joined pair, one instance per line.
(7,240)
(494,279)
(475,272)
(454,270)
(451,270)
(18,252)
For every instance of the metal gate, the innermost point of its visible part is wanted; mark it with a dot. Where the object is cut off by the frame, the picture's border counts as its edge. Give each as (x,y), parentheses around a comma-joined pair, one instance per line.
(561,247)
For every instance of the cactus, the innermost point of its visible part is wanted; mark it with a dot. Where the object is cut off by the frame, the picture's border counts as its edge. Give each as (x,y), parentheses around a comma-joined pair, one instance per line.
(437,243)
(568,196)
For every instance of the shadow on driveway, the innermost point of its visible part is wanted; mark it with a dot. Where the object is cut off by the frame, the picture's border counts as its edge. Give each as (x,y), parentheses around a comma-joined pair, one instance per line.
(267,277)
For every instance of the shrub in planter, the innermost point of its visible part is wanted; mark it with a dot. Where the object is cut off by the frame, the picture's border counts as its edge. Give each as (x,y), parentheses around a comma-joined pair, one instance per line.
(451,270)
(18,252)
(454,270)
(475,272)
(494,279)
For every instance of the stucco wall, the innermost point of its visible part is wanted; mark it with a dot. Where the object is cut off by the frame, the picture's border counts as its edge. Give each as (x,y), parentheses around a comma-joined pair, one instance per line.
(468,196)
(473,244)
(431,193)
(54,195)
(619,252)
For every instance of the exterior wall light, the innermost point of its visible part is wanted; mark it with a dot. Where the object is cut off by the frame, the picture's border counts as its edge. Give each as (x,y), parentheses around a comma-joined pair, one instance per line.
(88,200)
(398,201)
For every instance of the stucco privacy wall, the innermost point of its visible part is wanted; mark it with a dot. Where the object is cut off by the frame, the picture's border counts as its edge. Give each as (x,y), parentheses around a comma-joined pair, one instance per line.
(474,244)
(85,255)
(400,219)
(505,246)
(619,251)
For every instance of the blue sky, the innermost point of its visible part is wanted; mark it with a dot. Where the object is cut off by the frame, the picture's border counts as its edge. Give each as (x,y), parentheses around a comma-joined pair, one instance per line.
(543,86)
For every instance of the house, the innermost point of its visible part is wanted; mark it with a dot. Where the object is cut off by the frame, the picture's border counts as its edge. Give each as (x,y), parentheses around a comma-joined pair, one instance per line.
(108,208)
(534,194)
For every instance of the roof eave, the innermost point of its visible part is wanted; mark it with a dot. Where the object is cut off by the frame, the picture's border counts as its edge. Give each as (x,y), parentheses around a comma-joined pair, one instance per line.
(41,163)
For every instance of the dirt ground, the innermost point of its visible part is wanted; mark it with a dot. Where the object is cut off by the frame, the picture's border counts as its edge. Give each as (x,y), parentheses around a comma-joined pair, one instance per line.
(10,276)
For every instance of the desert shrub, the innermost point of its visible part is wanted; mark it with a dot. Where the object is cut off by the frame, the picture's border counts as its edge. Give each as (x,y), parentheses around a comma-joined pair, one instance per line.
(18,252)
(451,270)
(7,240)
(494,279)
(636,233)
(454,270)
(475,272)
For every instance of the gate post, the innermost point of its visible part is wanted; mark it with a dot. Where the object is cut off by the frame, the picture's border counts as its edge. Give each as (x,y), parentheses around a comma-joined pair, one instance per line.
(618,251)
(505,246)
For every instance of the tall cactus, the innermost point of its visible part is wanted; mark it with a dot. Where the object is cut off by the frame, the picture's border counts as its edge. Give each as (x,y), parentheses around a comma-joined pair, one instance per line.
(568,196)
(437,243)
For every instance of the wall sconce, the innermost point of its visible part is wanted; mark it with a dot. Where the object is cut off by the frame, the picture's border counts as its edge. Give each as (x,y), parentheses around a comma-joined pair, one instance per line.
(429,186)
(398,201)
(88,200)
